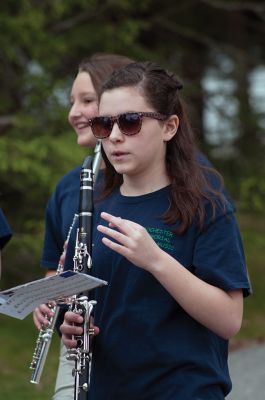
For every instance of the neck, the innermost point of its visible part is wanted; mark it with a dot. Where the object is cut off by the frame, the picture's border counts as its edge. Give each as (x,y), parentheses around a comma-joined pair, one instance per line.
(144,183)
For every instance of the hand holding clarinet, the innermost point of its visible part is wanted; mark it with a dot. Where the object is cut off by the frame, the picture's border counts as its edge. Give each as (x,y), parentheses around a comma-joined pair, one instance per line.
(73,327)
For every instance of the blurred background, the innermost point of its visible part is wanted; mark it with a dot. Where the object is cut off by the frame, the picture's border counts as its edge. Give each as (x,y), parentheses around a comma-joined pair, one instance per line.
(217,49)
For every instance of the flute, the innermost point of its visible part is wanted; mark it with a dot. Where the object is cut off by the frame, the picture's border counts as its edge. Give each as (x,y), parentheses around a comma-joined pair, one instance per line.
(46,332)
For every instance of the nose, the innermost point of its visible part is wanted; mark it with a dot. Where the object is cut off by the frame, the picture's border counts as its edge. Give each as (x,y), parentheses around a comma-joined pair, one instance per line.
(116,135)
(74,111)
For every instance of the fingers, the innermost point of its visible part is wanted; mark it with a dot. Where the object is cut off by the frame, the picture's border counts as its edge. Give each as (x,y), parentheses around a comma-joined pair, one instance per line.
(131,240)
(96,330)
(65,245)
(127,236)
(116,235)
(62,257)
(41,315)
(69,329)
(117,222)
(94,327)
(123,225)
(73,318)
(126,229)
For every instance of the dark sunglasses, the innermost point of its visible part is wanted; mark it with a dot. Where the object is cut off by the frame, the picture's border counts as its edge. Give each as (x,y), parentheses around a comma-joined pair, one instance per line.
(129,123)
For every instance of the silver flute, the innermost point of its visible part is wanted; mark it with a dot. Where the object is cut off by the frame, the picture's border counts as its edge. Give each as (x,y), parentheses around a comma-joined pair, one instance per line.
(46,332)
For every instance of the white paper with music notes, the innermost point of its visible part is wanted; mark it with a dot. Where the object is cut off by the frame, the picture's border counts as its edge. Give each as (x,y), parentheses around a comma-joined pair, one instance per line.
(21,300)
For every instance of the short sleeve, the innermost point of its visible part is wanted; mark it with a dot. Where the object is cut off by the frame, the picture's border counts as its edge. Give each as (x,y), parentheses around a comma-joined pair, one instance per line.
(219,255)
(53,241)
(60,211)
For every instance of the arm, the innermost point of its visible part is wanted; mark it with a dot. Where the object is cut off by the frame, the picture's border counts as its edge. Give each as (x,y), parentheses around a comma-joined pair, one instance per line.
(43,312)
(214,308)
(211,306)
(51,253)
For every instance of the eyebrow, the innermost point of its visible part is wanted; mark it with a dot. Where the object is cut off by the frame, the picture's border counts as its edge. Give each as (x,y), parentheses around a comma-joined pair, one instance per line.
(88,93)
(85,94)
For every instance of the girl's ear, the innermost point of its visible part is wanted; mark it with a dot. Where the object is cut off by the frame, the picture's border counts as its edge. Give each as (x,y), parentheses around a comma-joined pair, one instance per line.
(170,127)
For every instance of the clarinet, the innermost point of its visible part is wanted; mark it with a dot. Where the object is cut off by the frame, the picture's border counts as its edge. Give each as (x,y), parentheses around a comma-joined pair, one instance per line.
(82,354)
(46,332)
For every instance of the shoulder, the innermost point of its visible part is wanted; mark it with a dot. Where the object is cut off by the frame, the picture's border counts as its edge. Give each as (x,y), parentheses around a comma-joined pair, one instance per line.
(214,179)
(202,159)
(69,182)
(69,178)
(66,191)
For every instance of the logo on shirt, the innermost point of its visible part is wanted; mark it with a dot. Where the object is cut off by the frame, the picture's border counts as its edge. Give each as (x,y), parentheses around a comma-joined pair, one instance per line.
(162,237)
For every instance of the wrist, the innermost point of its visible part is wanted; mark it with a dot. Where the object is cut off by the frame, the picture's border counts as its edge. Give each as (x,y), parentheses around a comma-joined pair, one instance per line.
(159,263)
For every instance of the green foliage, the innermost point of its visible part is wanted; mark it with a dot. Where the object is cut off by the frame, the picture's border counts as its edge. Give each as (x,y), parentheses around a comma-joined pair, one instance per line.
(252,194)
(35,166)
(246,183)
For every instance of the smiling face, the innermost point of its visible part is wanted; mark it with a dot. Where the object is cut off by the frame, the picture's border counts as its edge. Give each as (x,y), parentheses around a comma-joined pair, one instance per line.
(140,157)
(84,105)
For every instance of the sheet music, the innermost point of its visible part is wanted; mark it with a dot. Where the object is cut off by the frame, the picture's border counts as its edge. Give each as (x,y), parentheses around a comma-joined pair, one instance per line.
(21,300)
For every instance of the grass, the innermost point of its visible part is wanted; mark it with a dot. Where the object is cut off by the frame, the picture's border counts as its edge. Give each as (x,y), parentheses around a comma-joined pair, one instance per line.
(18,337)
(253,234)
(17,344)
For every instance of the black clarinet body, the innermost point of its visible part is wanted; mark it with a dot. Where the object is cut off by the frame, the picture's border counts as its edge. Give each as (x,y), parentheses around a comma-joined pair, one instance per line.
(81,304)
(84,234)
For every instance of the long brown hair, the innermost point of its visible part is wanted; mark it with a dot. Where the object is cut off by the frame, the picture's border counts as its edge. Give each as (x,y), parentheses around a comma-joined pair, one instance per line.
(190,180)
(101,65)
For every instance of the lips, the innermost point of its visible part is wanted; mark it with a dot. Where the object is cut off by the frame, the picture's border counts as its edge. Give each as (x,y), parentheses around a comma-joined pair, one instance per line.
(119,156)
(118,153)
(81,125)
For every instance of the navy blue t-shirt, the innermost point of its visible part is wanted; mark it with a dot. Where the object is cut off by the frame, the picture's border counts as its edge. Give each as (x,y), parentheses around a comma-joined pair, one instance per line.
(148,346)
(60,211)
(5,230)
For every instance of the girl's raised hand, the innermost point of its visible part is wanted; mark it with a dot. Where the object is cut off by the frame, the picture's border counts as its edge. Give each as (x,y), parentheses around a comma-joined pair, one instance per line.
(131,241)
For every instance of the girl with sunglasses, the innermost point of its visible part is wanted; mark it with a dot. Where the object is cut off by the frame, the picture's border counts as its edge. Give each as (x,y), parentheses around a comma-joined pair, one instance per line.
(63,203)
(166,240)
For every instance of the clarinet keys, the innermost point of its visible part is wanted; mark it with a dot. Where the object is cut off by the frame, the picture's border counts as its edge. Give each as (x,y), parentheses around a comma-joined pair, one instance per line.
(82,353)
